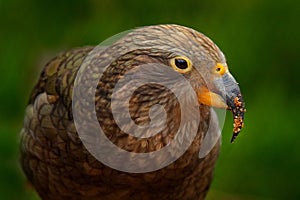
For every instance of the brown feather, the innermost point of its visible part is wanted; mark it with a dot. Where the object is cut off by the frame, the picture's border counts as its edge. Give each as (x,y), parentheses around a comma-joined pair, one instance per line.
(59,166)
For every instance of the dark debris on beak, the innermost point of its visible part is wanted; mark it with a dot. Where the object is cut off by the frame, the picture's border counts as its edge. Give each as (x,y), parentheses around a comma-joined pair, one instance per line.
(237,107)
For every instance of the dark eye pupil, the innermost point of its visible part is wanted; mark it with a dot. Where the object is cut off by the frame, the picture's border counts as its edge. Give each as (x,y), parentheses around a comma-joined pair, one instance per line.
(181,63)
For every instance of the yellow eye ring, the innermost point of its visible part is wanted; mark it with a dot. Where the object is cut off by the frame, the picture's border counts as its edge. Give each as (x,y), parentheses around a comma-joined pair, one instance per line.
(181,64)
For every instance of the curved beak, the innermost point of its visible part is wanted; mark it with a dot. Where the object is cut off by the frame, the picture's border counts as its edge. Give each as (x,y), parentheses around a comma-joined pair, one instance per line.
(225,93)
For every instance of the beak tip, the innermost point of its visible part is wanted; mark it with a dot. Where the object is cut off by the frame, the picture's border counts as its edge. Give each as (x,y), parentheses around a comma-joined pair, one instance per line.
(232,139)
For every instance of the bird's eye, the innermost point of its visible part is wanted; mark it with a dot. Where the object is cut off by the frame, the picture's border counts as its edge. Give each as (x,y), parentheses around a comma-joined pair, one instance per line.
(181,64)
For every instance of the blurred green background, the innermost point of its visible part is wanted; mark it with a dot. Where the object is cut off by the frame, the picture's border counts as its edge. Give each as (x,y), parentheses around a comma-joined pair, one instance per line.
(259,37)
